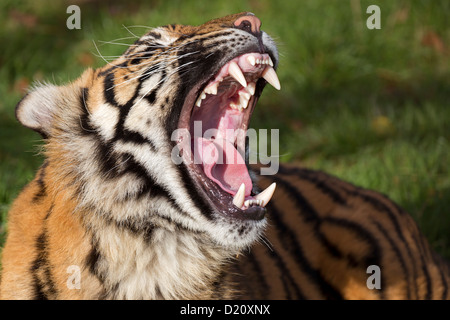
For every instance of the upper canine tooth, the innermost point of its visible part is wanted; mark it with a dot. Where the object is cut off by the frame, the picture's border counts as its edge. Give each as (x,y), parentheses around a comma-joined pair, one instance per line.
(266,195)
(236,73)
(239,197)
(271,77)
(270,62)
(251,60)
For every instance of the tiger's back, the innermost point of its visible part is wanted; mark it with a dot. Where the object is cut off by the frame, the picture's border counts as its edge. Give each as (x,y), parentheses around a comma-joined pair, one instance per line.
(324,237)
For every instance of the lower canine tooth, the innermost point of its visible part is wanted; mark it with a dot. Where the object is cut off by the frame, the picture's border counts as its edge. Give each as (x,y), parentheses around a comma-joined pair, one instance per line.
(266,195)
(239,197)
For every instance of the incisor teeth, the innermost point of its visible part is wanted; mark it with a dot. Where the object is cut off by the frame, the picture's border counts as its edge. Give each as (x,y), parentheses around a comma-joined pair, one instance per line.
(235,72)
(239,197)
(271,77)
(248,203)
(266,195)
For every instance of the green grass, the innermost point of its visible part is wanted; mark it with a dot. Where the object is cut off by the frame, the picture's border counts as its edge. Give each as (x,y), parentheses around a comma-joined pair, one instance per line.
(369,106)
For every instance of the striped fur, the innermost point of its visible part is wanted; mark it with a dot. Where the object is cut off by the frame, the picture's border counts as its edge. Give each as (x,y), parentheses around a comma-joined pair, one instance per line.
(324,233)
(109,215)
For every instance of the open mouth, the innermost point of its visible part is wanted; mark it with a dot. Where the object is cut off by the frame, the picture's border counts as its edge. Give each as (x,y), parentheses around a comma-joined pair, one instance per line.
(215,117)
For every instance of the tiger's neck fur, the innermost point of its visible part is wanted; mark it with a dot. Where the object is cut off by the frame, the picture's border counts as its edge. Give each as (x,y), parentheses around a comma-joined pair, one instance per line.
(117,260)
(154,263)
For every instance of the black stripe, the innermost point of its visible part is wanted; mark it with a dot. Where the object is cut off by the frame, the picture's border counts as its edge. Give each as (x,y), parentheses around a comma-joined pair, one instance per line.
(85,126)
(190,185)
(444,270)
(44,286)
(109,89)
(423,253)
(122,133)
(151,96)
(42,192)
(293,291)
(381,207)
(147,53)
(151,187)
(150,71)
(309,214)
(405,271)
(373,257)
(92,261)
(38,286)
(288,237)
(112,68)
(132,136)
(263,287)
(313,177)
(374,254)
(152,34)
(144,229)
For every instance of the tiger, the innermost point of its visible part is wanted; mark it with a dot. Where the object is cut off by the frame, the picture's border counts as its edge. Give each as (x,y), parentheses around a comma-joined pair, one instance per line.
(134,201)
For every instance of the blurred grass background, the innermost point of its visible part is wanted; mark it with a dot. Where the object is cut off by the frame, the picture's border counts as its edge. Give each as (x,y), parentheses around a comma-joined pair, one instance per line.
(369,106)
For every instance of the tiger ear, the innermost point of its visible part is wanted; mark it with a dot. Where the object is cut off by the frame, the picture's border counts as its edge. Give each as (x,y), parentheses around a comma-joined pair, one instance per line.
(38,108)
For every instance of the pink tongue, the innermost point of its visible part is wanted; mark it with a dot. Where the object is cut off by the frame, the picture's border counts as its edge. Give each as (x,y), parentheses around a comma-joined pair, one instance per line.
(223,164)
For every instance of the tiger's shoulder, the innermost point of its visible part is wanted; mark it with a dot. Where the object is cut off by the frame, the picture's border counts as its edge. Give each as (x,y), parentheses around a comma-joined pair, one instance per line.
(328,238)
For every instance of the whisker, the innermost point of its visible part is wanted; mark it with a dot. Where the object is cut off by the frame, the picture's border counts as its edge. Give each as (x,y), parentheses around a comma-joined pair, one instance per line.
(142,26)
(117,43)
(126,28)
(117,165)
(168,60)
(267,242)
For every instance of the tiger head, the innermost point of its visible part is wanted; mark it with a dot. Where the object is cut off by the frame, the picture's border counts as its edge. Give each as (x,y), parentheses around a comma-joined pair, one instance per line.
(157,137)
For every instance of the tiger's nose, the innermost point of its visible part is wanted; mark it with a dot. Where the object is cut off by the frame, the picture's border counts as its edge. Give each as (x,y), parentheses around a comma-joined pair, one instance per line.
(249,23)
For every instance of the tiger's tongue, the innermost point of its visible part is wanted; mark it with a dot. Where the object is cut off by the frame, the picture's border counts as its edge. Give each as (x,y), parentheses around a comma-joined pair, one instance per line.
(223,164)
